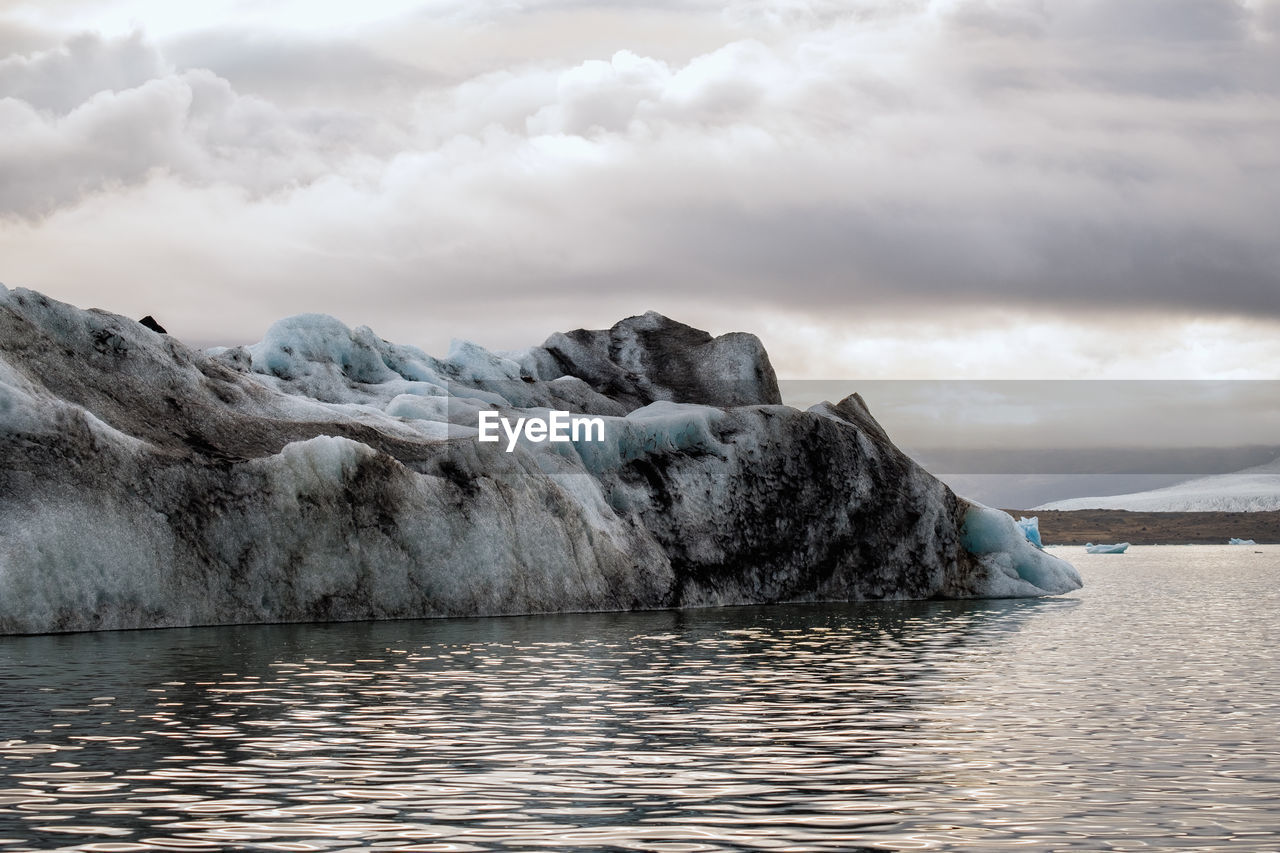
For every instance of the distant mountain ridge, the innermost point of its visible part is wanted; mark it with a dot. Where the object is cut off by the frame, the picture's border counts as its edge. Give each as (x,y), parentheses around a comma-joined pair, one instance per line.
(1255,489)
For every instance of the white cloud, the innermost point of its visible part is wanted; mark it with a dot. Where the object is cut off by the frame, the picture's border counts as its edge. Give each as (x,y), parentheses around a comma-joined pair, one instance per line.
(62,78)
(834,161)
(76,121)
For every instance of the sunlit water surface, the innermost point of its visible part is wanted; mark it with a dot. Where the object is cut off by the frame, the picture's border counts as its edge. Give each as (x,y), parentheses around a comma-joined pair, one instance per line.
(1139,713)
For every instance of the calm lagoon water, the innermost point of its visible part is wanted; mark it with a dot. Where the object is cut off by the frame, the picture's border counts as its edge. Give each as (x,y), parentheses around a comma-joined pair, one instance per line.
(1142,713)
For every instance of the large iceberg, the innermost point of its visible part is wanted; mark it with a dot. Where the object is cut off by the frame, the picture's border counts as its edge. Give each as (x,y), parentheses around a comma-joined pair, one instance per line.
(327,474)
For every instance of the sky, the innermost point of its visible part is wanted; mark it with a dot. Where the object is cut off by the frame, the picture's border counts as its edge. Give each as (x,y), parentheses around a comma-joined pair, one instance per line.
(918,189)
(1012,443)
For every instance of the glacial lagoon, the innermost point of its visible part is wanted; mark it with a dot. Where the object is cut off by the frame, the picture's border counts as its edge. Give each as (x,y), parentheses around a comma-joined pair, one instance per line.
(1140,712)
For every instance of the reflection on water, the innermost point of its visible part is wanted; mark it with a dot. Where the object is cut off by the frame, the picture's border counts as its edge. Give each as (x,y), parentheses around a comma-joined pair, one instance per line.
(1141,712)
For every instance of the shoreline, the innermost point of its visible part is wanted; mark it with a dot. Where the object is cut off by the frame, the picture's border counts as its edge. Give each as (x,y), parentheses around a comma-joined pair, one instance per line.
(1077,527)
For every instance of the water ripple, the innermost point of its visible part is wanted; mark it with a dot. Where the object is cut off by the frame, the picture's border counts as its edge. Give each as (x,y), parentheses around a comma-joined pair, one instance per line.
(1141,713)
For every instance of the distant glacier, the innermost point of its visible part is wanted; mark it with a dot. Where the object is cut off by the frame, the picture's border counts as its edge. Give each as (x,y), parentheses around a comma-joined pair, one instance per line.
(1255,489)
(327,474)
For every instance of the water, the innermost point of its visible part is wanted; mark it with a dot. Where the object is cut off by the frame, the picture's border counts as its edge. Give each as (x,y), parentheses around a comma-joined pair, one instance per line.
(1141,713)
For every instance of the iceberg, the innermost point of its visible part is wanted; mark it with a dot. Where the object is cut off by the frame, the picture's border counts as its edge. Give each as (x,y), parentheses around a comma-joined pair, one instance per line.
(327,474)
(1119,548)
(1234,541)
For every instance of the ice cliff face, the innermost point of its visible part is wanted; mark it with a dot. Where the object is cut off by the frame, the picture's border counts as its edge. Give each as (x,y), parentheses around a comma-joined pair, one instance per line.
(326,474)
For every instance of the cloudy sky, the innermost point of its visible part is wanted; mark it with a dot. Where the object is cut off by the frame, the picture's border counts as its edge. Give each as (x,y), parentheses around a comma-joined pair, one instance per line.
(879,188)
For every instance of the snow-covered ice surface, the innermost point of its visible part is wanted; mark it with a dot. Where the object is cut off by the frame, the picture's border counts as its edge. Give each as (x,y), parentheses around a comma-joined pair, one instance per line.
(327,474)
(1254,489)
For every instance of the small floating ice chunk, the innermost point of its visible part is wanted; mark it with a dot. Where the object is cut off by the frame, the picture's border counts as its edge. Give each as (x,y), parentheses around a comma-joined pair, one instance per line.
(1118,548)
(1234,541)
